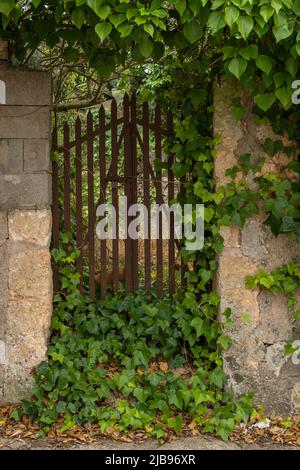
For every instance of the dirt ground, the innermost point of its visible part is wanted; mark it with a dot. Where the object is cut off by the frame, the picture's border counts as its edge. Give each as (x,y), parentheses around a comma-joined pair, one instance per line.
(183,444)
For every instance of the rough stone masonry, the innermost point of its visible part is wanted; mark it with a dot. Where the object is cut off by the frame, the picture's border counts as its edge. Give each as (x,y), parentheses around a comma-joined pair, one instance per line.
(256,360)
(25,226)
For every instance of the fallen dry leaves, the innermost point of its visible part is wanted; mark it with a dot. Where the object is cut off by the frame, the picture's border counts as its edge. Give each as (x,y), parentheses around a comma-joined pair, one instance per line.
(282,430)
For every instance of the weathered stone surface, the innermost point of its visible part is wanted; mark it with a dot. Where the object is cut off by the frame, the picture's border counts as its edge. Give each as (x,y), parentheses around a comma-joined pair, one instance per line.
(26,87)
(2,353)
(11,156)
(25,191)
(24,122)
(262,321)
(29,272)
(30,226)
(36,155)
(25,227)
(3,272)
(296,397)
(3,227)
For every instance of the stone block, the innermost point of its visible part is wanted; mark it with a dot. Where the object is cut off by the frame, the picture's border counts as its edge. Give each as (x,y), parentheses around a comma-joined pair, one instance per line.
(30,226)
(11,156)
(24,122)
(3,275)
(25,87)
(18,383)
(3,312)
(30,274)
(3,227)
(25,191)
(2,353)
(36,155)
(255,360)
(30,321)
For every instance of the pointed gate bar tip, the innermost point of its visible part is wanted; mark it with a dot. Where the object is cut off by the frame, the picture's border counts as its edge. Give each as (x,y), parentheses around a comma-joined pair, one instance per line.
(126,99)
(78,121)
(89,117)
(101,110)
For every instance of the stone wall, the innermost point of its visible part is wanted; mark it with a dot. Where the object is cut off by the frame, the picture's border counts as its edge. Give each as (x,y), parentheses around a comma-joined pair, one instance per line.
(25,227)
(256,359)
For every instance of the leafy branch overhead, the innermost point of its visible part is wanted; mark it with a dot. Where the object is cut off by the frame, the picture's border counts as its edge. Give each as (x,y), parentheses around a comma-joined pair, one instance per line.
(254,38)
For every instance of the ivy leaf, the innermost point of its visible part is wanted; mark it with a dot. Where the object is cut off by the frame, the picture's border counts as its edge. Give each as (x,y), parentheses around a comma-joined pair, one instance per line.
(78,17)
(217,377)
(146,47)
(216,21)
(284,96)
(125,30)
(103,11)
(266,12)
(279,79)
(245,26)
(180,6)
(225,341)
(149,29)
(237,66)
(7,6)
(277,5)
(291,66)
(264,63)
(249,52)
(179,169)
(197,323)
(193,31)
(103,30)
(228,52)
(265,101)
(195,6)
(231,15)
(282,32)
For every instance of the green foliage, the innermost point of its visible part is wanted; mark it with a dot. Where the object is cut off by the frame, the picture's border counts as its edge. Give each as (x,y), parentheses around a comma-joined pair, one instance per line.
(285,279)
(263,37)
(127,363)
(98,367)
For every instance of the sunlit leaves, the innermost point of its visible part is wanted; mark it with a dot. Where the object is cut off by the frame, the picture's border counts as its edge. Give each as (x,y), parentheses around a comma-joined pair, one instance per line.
(237,66)
(103,30)
(216,21)
(265,101)
(231,15)
(264,63)
(245,26)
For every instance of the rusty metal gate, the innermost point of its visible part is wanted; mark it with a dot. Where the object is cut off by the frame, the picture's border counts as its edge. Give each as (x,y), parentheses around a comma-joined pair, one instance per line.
(116,150)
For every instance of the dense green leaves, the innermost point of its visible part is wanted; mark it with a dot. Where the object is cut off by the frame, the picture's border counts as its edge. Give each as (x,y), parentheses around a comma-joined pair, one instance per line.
(125,363)
(261,31)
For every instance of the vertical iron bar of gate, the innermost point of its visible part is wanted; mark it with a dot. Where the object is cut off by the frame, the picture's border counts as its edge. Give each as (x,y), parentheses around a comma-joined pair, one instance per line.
(146,168)
(127,187)
(91,203)
(55,209)
(183,266)
(133,184)
(172,226)
(79,225)
(159,242)
(67,187)
(115,202)
(102,196)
